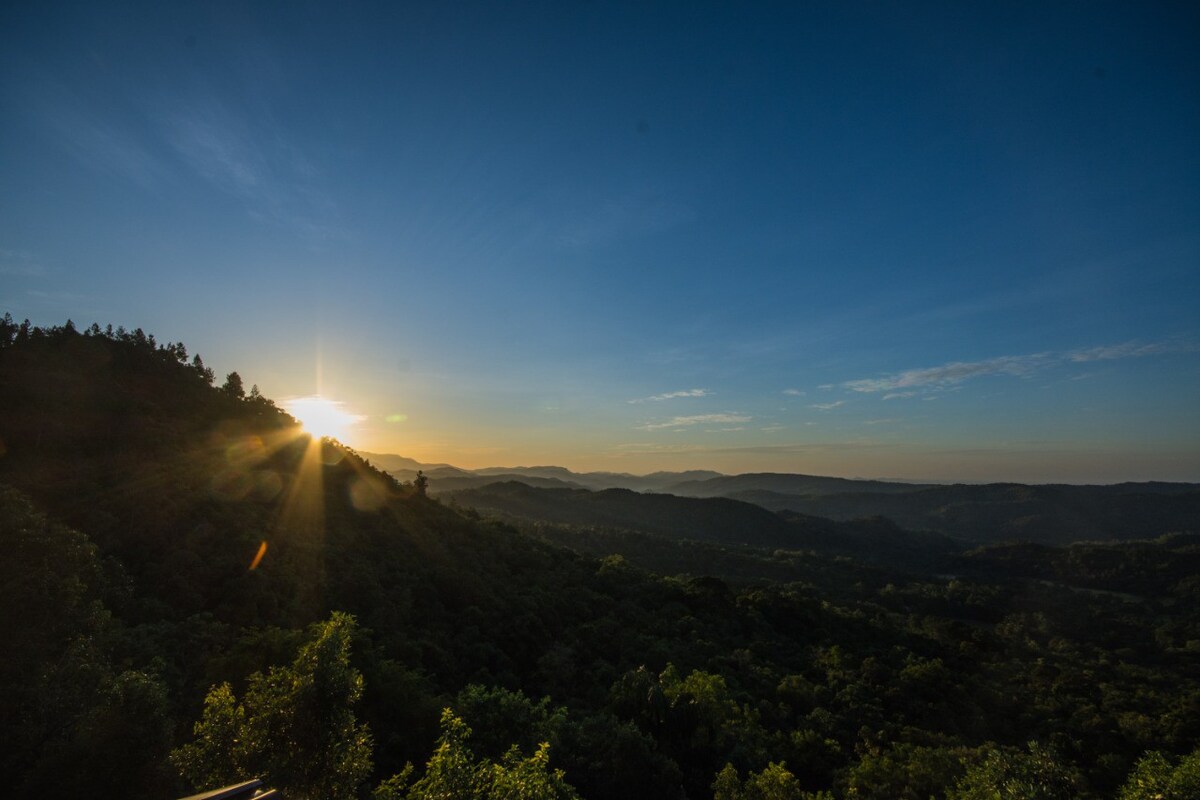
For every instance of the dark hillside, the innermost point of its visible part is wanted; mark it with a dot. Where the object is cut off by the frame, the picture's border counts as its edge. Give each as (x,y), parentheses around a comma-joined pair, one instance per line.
(785,483)
(596,481)
(165,536)
(1054,514)
(715,519)
(454,483)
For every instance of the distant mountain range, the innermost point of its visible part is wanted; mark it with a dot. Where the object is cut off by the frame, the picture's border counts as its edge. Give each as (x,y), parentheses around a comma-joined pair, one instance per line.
(717,520)
(446,478)
(1052,513)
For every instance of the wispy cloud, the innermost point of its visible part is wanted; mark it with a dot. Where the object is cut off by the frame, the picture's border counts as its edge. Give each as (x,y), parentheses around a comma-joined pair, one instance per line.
(792,449)
(914,381)
(654,448)
(673,395)
(696,419)
(246,156)
(827,406)
(58,298)
(1128,350)
(794,392)
(97,142)
(20,264)
(220,150)
(242,151)
(952,373)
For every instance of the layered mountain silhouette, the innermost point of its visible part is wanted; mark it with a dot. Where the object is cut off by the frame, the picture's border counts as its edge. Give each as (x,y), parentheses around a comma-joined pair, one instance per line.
(1052,513)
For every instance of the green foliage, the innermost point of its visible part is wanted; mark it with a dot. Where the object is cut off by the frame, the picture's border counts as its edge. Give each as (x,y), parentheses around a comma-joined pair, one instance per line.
(904,772)
(395,787)
(518,778)
(500,718)
(118,747)
(1156,778)
(70,722)
(454,773)
(297,728)
(52,619)
(774,782)
(219,755)
(1037,774)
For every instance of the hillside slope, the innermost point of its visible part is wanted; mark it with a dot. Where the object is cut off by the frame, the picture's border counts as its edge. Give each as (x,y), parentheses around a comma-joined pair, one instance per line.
(167,535)
(1052,514)
(715,520)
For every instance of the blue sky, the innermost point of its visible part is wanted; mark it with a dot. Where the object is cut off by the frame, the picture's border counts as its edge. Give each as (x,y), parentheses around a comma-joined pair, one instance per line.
(954,241)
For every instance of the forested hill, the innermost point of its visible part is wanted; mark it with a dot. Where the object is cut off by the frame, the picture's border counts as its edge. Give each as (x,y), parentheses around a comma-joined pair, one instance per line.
(716,520)
(451,478)
(1052,514)
(788,484)
(193,593)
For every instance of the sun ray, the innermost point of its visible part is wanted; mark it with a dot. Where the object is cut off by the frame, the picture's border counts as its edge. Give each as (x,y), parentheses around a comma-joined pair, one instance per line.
(321,416)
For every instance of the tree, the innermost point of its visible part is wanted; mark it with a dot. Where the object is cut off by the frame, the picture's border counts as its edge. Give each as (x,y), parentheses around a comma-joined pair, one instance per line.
(501,718)
(8,330)
(1156,778)
(453,772)
(421,483)
(1006,775)
(203,371)
(904,771)
(218,756)
(119,747)
(775,782)
(233,385)
(297,728)
(70,724)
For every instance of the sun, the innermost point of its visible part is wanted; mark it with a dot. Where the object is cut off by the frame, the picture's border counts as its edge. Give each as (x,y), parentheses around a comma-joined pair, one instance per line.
(321,416)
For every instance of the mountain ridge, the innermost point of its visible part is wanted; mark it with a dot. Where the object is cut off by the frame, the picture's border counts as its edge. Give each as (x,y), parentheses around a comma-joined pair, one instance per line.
(718,484)
(1052,513)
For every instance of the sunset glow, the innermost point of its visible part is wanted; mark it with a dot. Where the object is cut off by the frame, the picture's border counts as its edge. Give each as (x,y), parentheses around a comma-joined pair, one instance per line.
(322,417)
(949,243)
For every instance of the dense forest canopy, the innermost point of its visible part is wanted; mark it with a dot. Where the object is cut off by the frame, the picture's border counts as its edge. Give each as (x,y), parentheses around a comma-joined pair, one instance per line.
(194,592)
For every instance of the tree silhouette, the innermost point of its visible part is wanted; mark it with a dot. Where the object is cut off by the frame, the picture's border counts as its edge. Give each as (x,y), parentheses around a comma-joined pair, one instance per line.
(233,385)
(205,372)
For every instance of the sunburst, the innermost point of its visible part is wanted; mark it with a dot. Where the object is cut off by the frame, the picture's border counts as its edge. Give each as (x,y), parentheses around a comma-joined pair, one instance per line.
(322,417)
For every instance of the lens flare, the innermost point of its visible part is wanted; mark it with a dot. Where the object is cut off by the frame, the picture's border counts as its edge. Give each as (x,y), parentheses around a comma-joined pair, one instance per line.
(258,557)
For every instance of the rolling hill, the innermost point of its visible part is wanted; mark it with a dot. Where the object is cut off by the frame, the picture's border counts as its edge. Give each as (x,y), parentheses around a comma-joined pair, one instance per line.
(715,520)
(168,539)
